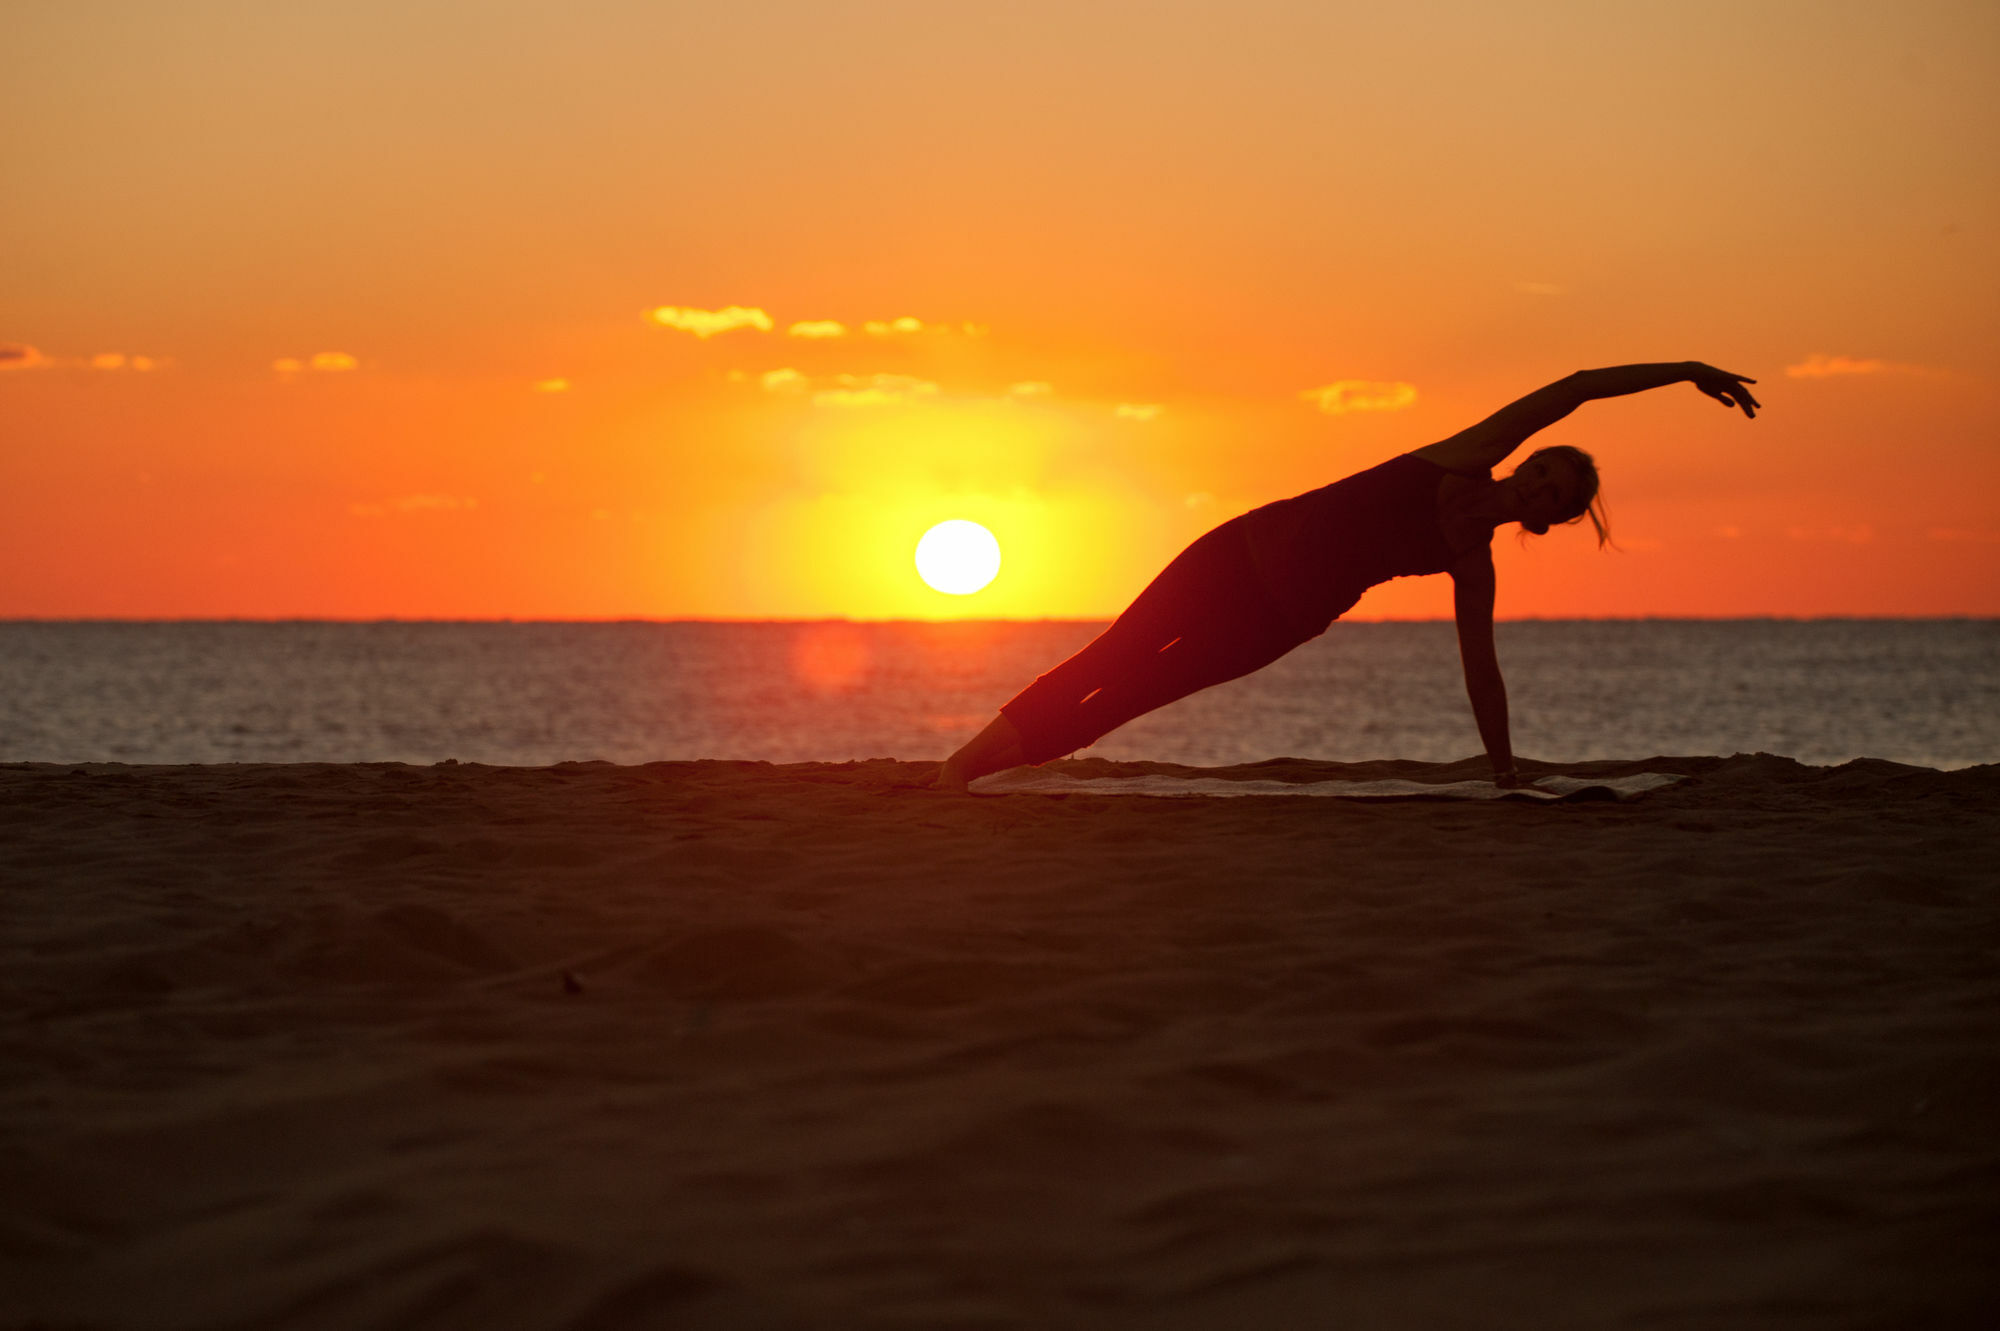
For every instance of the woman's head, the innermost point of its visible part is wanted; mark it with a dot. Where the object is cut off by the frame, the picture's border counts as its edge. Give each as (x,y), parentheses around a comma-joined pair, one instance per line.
(1558,484)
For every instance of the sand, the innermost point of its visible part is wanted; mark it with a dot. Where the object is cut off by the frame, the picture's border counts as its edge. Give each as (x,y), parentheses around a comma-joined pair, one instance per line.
(738,1045)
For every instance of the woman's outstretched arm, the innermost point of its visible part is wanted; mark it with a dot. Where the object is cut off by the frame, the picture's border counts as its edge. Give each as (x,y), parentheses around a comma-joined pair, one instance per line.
(1488,443)
(1472,603)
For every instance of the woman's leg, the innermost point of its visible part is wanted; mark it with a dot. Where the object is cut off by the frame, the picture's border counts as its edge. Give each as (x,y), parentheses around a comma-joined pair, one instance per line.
(1204,657)
(1206,619)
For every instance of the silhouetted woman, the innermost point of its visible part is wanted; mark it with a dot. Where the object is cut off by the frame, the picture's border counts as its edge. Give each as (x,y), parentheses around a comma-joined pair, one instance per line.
(1263,583)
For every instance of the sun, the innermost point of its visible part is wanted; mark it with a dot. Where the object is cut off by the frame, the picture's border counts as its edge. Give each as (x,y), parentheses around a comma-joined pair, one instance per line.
(958,557)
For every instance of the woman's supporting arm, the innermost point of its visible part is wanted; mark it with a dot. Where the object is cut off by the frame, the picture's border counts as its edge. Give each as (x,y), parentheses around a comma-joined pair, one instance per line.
(1472,603)
(1487,444)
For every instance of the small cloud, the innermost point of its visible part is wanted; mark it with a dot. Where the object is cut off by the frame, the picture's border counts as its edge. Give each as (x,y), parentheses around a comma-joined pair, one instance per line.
(1964,536)
(856,397)
(1031,388)
(1346,395)
(1199,499)
(890,327)
(874,390)
(1137,411)
(975,330)
(1539,289)
(1861,533)
(20,356)
(817,329)
(551,385)
(418,503)
(705,324)
(434,503)
(847,390)
(1729,533)
(320,362)
(1825,367)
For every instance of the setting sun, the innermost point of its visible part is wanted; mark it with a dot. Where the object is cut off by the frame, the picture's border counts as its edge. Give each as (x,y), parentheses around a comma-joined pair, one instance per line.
(958,557)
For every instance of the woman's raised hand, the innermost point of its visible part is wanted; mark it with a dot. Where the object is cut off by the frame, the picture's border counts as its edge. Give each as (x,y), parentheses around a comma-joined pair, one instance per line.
(1725,387)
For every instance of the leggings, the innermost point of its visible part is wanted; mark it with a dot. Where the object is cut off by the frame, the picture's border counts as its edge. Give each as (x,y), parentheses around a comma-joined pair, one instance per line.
(1206,619)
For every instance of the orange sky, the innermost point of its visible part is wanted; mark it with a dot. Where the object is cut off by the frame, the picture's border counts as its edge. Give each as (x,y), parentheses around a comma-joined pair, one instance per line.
(1126,242)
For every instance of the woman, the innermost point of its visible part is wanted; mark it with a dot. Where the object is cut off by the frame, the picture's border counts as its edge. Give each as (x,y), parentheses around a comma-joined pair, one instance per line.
(1259,585)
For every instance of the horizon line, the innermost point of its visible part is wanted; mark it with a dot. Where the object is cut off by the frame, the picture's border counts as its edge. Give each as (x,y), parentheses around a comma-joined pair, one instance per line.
(968,619)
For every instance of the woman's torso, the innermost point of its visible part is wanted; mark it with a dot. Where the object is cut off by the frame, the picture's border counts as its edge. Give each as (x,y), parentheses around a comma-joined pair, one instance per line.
(1319,551)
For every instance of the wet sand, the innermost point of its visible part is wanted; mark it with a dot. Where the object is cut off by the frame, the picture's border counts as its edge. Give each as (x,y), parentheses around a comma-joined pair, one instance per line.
(740,1045)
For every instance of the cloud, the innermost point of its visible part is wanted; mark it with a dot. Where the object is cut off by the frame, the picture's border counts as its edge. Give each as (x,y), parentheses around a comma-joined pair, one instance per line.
(1819,366)
(1964,536)
(320,362)
(1861,533)
(418,503)
(1031,388)
(551,385)
(18,356)
(434,503)
(1137,411)
(705,324)
(904,326)
(845,390)
(874,390)
(1345,395)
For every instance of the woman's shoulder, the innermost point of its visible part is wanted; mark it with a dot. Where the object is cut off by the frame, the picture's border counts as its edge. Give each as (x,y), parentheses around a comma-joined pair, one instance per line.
(1446,459)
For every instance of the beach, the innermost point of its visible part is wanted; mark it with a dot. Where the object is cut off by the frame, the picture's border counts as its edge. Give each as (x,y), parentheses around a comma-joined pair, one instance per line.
(734,1044)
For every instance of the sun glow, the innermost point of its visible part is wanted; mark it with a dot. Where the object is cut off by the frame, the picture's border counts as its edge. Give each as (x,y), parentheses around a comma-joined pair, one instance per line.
(958,557)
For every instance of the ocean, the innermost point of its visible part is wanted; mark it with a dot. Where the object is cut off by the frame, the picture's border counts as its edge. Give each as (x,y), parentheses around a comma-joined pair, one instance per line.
(1925,692)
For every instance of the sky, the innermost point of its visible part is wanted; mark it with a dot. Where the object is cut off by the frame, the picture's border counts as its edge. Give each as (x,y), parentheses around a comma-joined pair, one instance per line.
(623,309)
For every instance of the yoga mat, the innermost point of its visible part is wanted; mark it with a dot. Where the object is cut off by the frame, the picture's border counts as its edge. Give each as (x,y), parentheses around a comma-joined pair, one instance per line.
(1032,781)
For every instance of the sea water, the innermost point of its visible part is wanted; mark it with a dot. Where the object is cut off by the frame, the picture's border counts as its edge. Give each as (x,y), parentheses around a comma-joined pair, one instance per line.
(1925,692)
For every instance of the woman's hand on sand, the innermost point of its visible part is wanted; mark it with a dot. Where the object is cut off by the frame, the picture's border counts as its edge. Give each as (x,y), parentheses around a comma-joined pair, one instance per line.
(1724,387)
